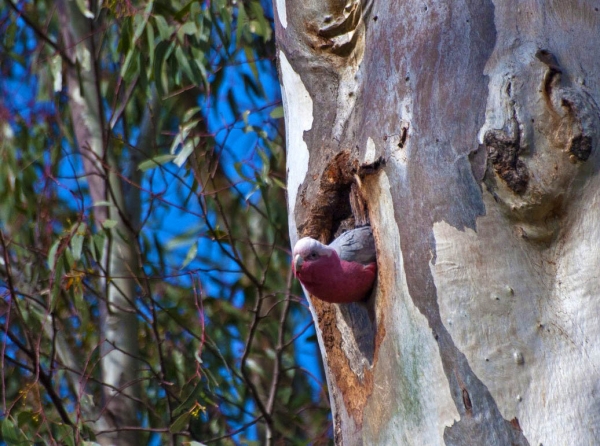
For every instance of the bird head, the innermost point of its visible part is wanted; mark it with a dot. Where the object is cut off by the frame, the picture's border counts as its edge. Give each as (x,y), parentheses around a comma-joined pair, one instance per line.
(342,272)
(307,251)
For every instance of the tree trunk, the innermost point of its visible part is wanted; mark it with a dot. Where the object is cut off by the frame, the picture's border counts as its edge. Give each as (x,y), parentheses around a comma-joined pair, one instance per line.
(470,128)
(118,420)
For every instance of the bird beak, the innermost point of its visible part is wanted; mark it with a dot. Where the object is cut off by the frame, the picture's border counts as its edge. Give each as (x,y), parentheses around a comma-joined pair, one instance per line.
(298,260)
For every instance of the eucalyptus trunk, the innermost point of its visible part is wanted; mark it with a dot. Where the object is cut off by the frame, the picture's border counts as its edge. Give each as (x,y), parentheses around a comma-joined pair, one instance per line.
(470,129)
(117,418)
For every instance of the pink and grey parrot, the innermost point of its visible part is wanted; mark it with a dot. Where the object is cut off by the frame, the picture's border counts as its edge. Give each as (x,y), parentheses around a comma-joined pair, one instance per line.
(342,272)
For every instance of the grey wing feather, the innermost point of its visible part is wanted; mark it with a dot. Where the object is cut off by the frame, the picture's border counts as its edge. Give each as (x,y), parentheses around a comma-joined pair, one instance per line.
(356,245)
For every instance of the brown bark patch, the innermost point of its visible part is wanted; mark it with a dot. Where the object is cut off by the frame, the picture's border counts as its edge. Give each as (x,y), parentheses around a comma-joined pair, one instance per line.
(331,206)
(580,118)
(552,75)
(467,402)
(503,155)
(581,147)
(353,391)
(514,423)
(339,204)
(580,144)
(336,33)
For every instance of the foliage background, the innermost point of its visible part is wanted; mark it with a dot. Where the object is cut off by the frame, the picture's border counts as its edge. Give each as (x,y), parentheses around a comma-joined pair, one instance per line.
(146,289)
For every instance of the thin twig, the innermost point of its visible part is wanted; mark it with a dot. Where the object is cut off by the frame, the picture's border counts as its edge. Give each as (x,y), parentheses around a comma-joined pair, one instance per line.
(43,377)
(8,312)
(279,352)
(244,362)
(231,434)
(280,344)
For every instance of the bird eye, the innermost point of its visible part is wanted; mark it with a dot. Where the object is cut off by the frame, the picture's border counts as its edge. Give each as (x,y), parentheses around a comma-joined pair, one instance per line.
(312,255)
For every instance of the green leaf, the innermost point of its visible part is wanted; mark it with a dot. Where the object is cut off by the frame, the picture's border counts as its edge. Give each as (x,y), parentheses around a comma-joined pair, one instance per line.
(184,63)
(162,52)
(102,203)
(87,400)
(201,77)
(180,423)
(185,238)
(277,182)
(56,285)
(179,15)
(163,27)
(81,4)
(52,254)
(64,435)
(96,245)
(192,397)
(127,61)
(188,28)
(142,20)
(130,66)
(233,104)
(277,112)
(185,152)
(259,25)
(250,57)
(227,19)
(252,85)
(150,43)
(125,39)
(56,71)
(250,193)
(284,395)
(187,145)
(255,367)
(79,303)
(155,162)
(205,27)
(9,36)
(109,224)
(12,435)
(219,234)
(191,255)
(68,258)
(189,114)
(242,18)
(77,241)
(28,419)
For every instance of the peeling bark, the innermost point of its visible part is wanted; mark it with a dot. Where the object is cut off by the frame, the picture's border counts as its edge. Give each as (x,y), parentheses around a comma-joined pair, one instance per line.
(482,117)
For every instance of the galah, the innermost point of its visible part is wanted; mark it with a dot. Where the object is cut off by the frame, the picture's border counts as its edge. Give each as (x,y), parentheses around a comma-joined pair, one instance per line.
(341,272)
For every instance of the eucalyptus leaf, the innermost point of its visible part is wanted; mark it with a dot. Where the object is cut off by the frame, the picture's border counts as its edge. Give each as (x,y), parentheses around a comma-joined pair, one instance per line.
(12,435)
(109,223)
(180,423)
(191,255)
(155,162)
